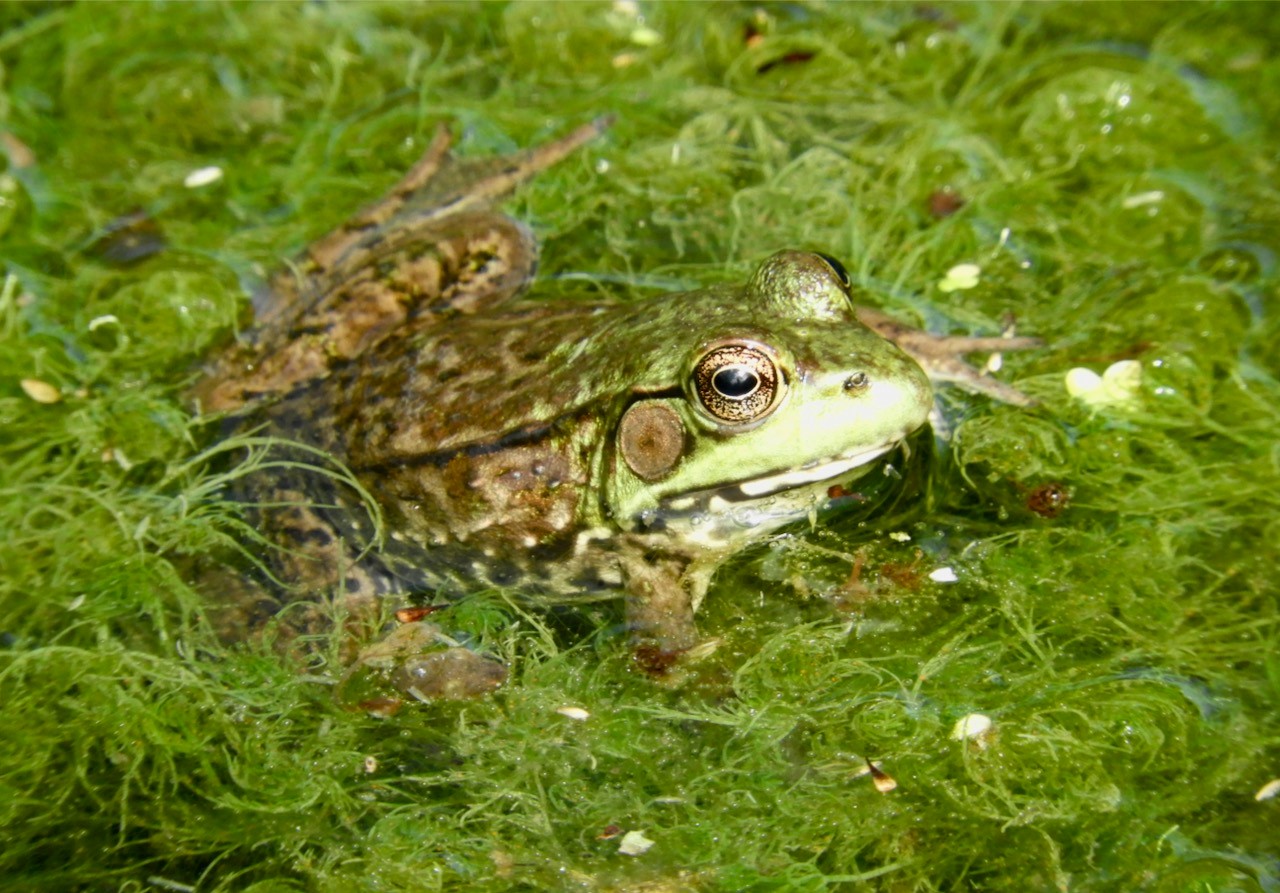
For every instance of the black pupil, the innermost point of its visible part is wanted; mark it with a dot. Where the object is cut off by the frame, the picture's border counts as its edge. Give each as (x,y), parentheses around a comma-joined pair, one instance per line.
(735,381)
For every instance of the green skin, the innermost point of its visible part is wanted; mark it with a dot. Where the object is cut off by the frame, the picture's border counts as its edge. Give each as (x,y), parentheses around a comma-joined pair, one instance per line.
(572,450)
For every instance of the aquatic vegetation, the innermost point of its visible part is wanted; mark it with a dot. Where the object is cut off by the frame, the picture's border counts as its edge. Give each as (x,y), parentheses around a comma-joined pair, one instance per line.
(1103,174)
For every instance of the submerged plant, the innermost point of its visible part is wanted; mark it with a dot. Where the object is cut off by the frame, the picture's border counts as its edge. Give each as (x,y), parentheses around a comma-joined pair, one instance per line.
(1103,173)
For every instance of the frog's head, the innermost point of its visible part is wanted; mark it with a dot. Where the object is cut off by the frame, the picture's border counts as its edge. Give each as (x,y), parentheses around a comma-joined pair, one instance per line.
(780,393)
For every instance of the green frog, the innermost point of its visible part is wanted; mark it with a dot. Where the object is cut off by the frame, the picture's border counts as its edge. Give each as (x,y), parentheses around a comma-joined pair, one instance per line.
(570,450)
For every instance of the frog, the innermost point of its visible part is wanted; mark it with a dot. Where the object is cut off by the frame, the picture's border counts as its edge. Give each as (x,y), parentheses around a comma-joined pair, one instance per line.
(570,450)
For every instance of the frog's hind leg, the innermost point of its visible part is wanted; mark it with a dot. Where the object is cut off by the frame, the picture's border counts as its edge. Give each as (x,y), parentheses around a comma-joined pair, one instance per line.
(436,242)
(440,197)
(440,185)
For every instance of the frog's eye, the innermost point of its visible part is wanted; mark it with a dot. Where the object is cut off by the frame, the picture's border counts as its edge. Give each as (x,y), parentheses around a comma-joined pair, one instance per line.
(736,383)
(836,267)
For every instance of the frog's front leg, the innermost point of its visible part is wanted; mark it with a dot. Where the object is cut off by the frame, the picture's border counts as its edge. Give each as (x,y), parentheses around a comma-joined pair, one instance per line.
(942,356)
(660,603)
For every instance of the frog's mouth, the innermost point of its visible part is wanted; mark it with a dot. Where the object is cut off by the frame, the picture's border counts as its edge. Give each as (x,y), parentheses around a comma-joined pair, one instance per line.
(720,517)
(810,473)
(793,480)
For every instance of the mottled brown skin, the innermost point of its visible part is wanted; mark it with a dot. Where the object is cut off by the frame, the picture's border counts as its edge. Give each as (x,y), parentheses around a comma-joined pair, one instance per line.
(423,425)
(483,429)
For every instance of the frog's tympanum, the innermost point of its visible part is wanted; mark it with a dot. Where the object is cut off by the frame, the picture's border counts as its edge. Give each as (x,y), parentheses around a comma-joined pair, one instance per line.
(565,449)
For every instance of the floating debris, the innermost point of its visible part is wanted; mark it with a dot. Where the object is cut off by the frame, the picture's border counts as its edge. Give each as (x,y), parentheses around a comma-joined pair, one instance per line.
(975,727)
(634,843)
(645,36)
(40,391)
(883,781)
(1115,388)
(202,176)
(1155,196)
(576,713)
(943,203)
(1268,791)
(961,277)
(1049,500)
(944,575)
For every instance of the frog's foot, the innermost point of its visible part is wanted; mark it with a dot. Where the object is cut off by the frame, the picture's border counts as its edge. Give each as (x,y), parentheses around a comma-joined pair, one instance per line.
(942,356)
(417,660)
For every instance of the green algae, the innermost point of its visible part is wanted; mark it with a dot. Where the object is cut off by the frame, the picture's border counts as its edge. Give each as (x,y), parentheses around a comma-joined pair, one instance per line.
(1116,165)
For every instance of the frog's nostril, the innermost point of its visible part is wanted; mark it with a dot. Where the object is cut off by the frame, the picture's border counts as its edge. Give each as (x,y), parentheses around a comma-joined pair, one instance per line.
(856,382)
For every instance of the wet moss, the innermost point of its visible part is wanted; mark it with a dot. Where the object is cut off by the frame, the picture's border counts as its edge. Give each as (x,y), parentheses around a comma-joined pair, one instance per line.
(1114,176)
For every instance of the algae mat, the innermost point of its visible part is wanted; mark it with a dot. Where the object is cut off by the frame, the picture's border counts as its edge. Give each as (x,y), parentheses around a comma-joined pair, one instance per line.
(1063,654)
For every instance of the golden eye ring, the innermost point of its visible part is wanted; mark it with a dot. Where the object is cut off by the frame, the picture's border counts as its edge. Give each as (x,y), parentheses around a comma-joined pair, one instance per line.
(737,383)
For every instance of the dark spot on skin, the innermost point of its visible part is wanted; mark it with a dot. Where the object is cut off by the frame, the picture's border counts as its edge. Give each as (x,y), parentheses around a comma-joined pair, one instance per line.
(589,581)
(504,573)
(288,419)
(262,610)
(311,536)
(552,549)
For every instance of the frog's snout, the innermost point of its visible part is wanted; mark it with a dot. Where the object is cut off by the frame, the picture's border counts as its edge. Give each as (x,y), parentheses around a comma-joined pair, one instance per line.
(897,392)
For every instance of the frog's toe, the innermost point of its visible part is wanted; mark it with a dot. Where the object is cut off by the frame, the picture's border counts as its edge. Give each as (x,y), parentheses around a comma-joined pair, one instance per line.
(418,660)
(453,674)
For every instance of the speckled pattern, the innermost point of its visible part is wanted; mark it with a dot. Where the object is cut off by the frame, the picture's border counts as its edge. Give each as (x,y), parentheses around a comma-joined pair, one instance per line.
(485,428)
